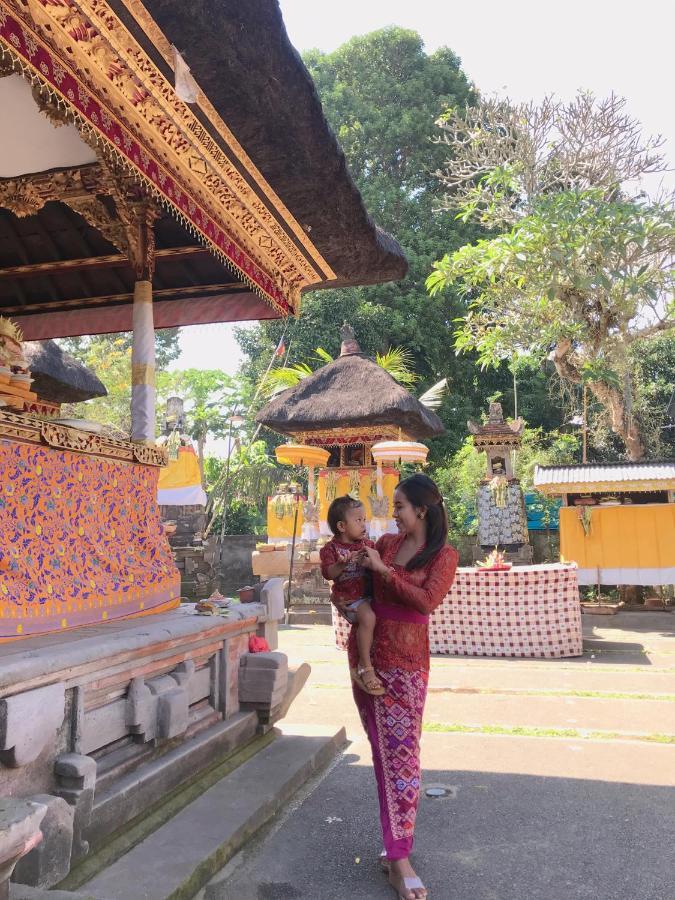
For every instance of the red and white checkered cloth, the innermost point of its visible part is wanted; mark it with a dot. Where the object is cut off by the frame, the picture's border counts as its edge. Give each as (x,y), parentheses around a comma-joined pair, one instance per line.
(529,611)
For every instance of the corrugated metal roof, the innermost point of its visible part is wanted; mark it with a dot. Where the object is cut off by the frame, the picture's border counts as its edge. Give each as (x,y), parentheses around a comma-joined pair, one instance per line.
(647,471)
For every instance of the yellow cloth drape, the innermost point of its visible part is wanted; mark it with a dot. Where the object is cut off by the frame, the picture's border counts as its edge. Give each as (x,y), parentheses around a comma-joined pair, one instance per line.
(620,537)
(181,472)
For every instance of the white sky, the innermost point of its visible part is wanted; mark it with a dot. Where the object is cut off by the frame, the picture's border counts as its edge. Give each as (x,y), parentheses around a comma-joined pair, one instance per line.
(524,49)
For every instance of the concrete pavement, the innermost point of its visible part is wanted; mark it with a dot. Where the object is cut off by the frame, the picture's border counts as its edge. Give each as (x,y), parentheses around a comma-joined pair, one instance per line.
(528,813)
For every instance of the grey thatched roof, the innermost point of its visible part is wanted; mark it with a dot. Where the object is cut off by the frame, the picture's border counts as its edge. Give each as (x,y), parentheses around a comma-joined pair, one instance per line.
(58,376)
(351,391)
(240,54)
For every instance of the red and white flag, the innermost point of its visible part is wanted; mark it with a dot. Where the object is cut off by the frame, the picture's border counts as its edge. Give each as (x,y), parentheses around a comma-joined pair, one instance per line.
(281,348)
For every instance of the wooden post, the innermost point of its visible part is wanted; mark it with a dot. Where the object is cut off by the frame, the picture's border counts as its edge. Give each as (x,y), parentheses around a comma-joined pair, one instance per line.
(290,568)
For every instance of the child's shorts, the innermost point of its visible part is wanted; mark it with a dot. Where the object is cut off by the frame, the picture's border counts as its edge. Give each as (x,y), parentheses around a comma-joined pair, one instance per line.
(349,611)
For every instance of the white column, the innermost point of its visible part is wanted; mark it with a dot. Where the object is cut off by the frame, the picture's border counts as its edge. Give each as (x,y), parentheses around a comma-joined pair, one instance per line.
(143,366)
(311,485)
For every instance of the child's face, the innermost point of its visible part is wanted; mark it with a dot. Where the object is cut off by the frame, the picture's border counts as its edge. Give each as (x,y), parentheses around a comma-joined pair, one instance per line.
(353,527)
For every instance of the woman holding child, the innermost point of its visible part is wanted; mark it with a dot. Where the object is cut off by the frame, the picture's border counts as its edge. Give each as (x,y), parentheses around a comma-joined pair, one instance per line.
(412,572)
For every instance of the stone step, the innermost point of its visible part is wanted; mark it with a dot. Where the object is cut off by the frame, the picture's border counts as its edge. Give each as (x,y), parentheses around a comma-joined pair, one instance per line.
(315,614)
(177,859)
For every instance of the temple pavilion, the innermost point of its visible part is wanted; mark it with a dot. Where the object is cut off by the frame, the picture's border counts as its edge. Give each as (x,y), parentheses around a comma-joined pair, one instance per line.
(162,163)
(364,421)
(163,167)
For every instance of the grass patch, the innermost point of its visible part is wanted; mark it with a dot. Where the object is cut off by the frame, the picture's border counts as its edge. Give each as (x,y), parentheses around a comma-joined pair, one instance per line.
(526,692)
(527,731)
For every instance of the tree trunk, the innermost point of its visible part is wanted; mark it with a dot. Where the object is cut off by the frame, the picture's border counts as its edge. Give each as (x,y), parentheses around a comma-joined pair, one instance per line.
(622,425)
(200,456)
(612,399)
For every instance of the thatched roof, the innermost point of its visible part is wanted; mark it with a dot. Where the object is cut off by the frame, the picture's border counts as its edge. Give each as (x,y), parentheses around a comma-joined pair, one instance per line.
(351,391)
(58,376)
(240,54)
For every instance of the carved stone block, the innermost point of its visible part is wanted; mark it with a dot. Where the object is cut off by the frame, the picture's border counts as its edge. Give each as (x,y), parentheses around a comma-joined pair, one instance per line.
(19,833)
(172,706)
(76,783)
(141,710)
(28,722)
(49,862)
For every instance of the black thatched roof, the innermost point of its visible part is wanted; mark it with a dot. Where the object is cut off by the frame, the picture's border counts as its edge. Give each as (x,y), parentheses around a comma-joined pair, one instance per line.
(351,391)
(59,377)
(240,54)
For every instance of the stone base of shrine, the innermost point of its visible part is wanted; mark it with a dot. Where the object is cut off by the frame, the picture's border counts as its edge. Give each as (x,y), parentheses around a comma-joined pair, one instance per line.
(99,723)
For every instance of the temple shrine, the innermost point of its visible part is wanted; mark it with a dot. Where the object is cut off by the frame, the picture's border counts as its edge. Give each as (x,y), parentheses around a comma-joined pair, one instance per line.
(141,186)
(502,519)
(350,424)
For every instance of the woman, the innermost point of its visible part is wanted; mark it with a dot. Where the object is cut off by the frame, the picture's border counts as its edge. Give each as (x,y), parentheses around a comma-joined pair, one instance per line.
(412,572)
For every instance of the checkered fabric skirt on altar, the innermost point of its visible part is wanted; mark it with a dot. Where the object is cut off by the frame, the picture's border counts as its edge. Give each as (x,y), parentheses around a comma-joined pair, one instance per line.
(529,611)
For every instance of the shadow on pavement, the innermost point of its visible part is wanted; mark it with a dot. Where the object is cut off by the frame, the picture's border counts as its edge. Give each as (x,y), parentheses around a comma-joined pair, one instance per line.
(500,837)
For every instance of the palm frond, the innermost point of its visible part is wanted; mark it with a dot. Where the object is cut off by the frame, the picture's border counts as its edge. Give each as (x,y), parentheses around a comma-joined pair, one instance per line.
(323,355)
(398,362)
(433,398)
(281,379)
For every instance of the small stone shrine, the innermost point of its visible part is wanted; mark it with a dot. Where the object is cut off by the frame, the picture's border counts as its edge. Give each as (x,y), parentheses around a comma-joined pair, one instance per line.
(182,506)
(502,520)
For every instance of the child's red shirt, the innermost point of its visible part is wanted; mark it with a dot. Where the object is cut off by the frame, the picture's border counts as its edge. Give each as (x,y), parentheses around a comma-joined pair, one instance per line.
(355,581)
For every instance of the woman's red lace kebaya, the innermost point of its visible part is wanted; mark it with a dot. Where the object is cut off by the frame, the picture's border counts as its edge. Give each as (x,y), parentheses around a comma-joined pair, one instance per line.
(405,645)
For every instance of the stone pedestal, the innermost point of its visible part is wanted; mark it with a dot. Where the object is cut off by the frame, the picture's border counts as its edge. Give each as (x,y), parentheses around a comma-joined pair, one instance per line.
(20,822)
(98,723)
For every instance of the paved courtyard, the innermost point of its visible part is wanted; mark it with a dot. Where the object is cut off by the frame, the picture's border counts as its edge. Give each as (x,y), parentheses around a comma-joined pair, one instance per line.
(559,779)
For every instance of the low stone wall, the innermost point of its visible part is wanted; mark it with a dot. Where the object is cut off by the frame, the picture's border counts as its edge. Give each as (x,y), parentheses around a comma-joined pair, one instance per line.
(545,547)
(98,723)
(237,549)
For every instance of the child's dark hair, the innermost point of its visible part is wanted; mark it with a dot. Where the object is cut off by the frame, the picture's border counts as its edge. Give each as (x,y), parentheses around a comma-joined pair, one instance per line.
(421,491)
(338,510)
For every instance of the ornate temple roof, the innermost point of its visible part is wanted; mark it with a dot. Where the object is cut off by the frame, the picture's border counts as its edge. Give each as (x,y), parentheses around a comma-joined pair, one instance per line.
(350,394)
(496,431)
(250,200)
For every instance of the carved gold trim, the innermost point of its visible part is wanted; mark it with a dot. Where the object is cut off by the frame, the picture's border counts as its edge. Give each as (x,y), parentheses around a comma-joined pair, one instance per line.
(342,435)
(31,429)
(112,62)
(148,24)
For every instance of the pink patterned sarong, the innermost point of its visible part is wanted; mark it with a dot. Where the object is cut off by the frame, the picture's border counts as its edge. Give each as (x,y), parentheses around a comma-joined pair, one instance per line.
(393,723)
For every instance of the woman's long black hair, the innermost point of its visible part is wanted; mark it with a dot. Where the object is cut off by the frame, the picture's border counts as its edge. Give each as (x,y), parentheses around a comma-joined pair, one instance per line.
(422,492)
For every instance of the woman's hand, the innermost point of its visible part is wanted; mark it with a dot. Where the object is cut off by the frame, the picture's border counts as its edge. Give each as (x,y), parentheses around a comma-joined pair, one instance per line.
(373,560)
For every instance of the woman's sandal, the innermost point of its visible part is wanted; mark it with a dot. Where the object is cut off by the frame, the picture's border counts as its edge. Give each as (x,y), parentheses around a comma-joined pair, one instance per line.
(409,883)
(372,685)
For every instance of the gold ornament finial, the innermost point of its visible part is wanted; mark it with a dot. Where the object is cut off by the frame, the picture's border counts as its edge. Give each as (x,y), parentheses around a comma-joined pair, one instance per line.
(10,330)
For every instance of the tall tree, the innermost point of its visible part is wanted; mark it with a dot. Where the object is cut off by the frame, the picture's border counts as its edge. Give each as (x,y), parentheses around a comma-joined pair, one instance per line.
(211,397)
(583,267)
(381,94)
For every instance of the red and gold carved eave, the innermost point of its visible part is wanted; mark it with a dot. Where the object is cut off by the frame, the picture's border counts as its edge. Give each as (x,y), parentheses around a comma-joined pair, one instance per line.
(49,65)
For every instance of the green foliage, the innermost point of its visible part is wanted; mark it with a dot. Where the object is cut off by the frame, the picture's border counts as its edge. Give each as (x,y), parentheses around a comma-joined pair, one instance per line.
(581,270)
(569,270)
(253,475)
(381,94)
(109,356)
(458,483)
